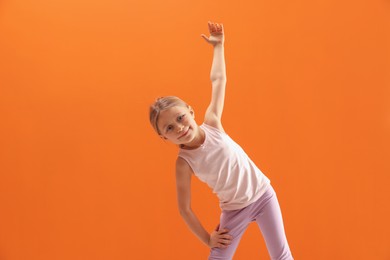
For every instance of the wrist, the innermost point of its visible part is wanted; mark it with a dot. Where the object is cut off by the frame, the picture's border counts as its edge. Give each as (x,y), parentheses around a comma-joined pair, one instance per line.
(218,45)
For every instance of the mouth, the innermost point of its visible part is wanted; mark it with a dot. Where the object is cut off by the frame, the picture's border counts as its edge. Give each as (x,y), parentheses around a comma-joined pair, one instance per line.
(186,132)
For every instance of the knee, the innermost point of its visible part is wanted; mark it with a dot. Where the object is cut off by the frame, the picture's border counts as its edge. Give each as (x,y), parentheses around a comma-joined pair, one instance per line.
(284,255)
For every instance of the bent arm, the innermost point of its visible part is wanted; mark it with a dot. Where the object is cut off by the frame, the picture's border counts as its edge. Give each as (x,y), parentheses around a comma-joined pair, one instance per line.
(183,185)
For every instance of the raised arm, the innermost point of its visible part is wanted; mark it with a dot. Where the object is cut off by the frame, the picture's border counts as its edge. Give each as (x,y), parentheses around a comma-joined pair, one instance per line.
(218,238)
(217,75)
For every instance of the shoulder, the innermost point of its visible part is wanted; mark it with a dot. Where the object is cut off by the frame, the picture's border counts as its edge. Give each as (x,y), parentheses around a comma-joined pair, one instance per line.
(183,175)
(214,122)
(182,166)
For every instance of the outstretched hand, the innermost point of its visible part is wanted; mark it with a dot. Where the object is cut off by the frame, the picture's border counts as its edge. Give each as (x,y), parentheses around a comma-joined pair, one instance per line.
(220,239)
(216,34)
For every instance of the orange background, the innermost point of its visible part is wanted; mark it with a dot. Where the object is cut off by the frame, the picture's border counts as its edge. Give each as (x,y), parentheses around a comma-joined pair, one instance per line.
(83,176)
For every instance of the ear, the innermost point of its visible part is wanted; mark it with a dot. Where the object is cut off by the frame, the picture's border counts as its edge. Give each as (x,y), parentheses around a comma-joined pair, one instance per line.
(192,112)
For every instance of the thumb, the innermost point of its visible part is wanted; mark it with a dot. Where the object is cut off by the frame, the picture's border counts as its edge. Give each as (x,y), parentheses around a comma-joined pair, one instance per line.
(205,38)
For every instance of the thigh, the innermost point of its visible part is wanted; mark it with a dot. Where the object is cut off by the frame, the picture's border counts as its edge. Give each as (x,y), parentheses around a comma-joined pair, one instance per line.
(236,222)
(271,225)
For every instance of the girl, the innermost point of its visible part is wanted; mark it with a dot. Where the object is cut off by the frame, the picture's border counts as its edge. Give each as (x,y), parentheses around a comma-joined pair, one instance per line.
(244,192)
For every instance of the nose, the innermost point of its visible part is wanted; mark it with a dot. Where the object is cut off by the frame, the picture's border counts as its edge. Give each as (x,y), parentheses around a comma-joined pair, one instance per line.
(180,128)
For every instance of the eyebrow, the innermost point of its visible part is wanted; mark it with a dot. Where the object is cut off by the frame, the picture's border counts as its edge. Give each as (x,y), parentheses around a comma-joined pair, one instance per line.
(168,123)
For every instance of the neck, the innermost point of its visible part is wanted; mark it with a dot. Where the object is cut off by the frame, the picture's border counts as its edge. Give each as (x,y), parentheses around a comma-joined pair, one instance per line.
(196,142)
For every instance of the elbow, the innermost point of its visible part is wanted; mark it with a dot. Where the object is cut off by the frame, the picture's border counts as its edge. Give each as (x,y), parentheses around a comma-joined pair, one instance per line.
(218,79)
(185,211)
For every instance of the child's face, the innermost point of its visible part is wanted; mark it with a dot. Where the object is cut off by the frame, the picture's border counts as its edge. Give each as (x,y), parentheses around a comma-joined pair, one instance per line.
(177,124)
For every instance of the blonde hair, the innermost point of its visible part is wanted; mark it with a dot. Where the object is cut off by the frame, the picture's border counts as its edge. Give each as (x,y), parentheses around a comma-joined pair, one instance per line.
(161,104)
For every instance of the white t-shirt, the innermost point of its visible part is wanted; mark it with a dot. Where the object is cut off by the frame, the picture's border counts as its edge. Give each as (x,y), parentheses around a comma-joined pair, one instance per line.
(226,168)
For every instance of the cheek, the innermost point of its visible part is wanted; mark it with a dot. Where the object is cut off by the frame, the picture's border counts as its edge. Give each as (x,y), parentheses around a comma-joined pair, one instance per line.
(169,135)
(193,122)
(189,119)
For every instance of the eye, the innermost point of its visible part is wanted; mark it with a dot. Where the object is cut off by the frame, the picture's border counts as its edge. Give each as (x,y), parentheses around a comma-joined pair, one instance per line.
(169,128)
(180,118)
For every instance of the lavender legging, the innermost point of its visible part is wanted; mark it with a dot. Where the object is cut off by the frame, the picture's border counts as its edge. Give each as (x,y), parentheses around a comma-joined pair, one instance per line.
(266,212)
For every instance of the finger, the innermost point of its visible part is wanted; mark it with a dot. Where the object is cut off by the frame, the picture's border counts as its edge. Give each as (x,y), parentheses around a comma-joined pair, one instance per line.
(222,234)
(210,26)
(223,231)
(219,245)
(217,228)
(219,29)
(224,241)
(216,27)
(213,29)
(228,237)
